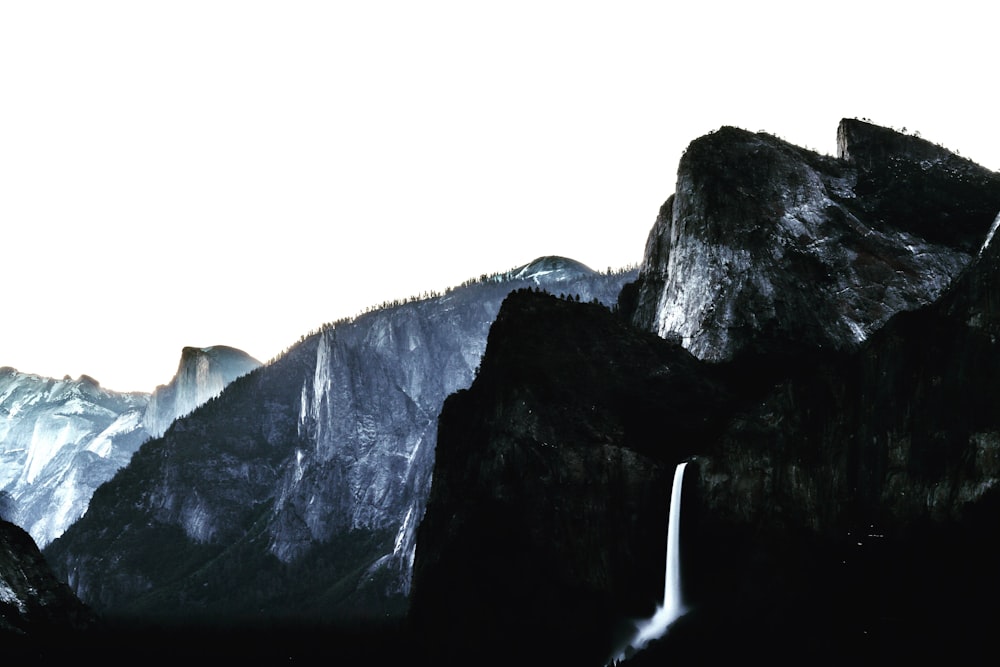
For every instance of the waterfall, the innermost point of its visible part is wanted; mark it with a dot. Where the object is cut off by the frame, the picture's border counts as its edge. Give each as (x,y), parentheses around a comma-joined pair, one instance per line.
(672,606)
(672,598)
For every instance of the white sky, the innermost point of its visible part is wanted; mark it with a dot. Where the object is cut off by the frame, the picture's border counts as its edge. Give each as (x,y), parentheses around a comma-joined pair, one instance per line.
(198,173)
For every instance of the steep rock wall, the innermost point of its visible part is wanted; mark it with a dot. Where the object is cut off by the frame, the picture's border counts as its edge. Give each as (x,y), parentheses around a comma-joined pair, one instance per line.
(842,492)
(297,492)
(766,246)
(202,374)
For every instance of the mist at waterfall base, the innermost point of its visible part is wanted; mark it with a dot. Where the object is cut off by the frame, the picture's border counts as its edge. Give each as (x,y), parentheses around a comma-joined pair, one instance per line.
(672,606)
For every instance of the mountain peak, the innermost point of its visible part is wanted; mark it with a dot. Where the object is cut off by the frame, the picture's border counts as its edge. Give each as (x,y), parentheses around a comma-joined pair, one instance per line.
(549,264)
(202,373)
(214,351)
(768,245)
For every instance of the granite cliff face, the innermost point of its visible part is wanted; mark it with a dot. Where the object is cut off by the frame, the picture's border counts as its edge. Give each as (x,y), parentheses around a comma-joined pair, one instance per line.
(827,341)
(298,491)
(767,245)
(202,374)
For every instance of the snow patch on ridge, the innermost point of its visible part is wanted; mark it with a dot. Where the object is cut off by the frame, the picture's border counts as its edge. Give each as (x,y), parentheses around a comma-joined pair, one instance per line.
(48,437)
(104,442)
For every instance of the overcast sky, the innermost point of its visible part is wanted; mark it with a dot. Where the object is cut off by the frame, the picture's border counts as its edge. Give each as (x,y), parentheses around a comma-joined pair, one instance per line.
(200,173)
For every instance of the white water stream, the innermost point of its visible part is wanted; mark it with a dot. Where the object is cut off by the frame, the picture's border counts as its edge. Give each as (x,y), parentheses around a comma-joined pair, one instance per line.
(672,606)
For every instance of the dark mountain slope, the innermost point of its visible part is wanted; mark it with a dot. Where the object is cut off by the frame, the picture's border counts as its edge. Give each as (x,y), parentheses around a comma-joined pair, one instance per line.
(841,503)
(834,507)
(37,611)
(551,470)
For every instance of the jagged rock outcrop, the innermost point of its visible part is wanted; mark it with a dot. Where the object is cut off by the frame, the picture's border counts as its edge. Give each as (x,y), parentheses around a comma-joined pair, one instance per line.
(202,374)
(841,504)
(768,245)
(36,609)
(299,489)
(61,439)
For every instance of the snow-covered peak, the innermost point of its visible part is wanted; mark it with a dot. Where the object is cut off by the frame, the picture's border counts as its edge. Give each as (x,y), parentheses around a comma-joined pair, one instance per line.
(551,267)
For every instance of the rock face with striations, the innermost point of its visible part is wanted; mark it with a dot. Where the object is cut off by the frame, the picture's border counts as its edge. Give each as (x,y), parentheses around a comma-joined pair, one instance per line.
(764,244)
(298,491)
(61,439)
(201,375)
(838,411)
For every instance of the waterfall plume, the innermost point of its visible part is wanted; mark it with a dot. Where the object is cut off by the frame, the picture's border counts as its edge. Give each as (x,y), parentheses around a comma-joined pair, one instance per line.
(672,606)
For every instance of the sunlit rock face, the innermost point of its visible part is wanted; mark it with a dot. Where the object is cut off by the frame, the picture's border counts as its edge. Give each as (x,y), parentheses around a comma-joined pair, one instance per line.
(768,245)
(59,440)
(300,488)
(202,374)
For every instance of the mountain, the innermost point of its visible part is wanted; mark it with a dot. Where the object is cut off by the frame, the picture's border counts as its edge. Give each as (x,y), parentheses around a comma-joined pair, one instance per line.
(546,522)
(61,439)
(767,244)
(817,337)
(483,476)
(297,492)
(202,374)
(37,610)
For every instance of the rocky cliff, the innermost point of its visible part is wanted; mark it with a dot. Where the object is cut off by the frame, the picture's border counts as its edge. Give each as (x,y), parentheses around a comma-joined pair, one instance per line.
(202,374)
(546,524)
(837,409)
(298,490)
(767,245)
